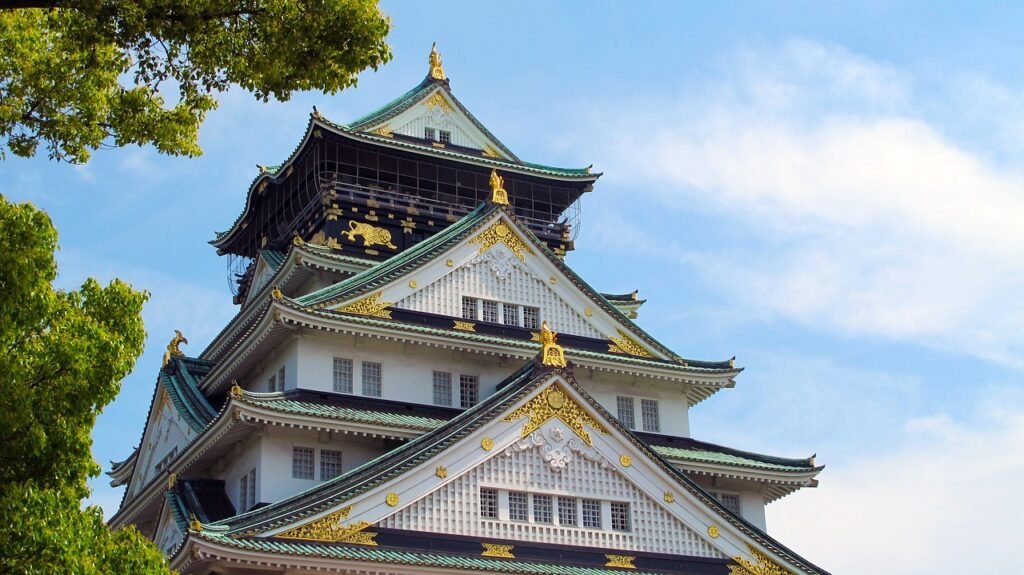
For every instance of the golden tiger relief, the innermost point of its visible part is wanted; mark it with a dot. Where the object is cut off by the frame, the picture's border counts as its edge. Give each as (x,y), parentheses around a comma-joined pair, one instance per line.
(372,236)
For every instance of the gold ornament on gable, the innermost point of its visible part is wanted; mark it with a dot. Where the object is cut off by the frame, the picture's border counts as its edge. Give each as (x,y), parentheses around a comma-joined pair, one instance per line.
(498,193)
(620,561)
(436,68)
(554,402)
(370,305)
(762,565)
(372,235)
(495,550)
(552,354)
(500,233)
(172,347)
(625,344)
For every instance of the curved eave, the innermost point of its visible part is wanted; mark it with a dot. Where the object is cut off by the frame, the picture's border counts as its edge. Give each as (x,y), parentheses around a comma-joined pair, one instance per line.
(121,472)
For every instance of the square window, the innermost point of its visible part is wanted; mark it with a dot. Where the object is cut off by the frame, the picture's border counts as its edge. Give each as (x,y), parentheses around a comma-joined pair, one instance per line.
(531,317)
(592,513)
(302,462)
(330,464)
(371,379)
(567,511)
(620,516)
(444,136)
(280,379)
(730,501)
(490,311)
(649,410)
(518,508)
(442,388)
(469,307)
(542,509)
(624,409)
(342,375)
(252,489)
(510,311)
(243,493)
(469,390)
(272,383)
(489,503)
(429,134)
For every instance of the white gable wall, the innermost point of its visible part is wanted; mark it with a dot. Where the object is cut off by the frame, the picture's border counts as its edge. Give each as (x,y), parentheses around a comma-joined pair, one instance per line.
(166,432)
(167,535)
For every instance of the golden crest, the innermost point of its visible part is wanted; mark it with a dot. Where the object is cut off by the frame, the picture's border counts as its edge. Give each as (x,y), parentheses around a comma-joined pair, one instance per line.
(441,472)
(495,550)
(620,561)
(391,499)
(370,305)
(625,344)
(487,444)
(436,68)
(713,531)
(498,193)
(625,460)
(465,325)
(499,233)
(554,402)
(764,565)
(669,497)
(552,354)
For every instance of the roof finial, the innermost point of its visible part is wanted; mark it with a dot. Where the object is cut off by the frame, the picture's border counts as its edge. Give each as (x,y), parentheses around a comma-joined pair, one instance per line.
(498,193)
(436,69)
(172,348)
(551,353)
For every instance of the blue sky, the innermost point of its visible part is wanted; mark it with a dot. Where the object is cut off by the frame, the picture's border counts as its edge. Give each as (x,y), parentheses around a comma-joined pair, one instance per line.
(832,194)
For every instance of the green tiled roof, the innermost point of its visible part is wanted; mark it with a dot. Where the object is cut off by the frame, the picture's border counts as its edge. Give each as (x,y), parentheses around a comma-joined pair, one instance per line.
(273,258)
(283,404)
(754,460)
(183,390)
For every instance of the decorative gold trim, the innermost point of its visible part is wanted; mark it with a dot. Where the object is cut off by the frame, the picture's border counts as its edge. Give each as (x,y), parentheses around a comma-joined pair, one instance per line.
(555,402)
(552,280)
(171,480)
(391,499)
(384,130)
(625,460)
(764,565)
(172,347)
(276,293)
(465,325)
(487,444)
(498,193)
(436,100)
(449,263)
(490,152)
(441,471)
(236,390)
(436,67)
(194,524)
(625,344)
(500,233)
(552,354)
(370,305)
(372,235)
(329,529)
(713,531)
(412,284)
(495,550)
(297,240)
(669,497)
(620,561)
(588,312)
(362,538)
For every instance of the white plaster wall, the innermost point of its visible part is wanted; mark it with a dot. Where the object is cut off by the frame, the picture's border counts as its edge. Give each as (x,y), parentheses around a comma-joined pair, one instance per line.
(243,459)
(259,378)
(751,496)
(166,432)
(672,405)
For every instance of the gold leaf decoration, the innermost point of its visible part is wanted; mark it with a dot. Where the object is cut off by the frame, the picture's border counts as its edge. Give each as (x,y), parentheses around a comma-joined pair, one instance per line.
(487,444)
(326,528)
(554,402)
(465,325)
(625,460)
(500,233)
(552,354)
(384,130)
(490,152)
(391,499)
(495,550)
(713,531)
(763,566)
(620,561)
(625,344)
(441,471)
(370,305)
(436,100)
(669,497)
(372,235)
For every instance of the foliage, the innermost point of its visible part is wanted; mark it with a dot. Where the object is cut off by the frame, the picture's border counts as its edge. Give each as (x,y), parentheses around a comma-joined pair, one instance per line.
(62,357)
(63,62)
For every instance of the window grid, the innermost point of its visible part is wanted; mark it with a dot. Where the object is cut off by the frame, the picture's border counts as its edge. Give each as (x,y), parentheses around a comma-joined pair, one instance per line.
(252,490)
(302,462)
(730,501)
(342,375)
(330,464)
(272,383)
(518,506)
(371,379)
(542,509)
(429,133)
(469,308)
(531,317)
(442,388)
(620,516)
(624,407)
(489,503)
(510,313)
(469,390)
(592,513)
(280,379)
(649,411)
(444,136)
(490,311)
(567,511)
(243,493)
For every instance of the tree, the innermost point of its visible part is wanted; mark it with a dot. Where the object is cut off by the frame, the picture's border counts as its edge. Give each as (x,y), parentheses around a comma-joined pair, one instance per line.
(63,63)
(62,357)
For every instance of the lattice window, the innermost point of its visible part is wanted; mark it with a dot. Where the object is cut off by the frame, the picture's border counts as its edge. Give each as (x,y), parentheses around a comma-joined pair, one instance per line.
(730,501)
(649,410)
(531,317)
(591,513)
(280,379)
(620,515)
(429,134)
(469,307)
(442,388)
(489,503)
(542,508)
(330,464)
(444,136)
(243,493)
(625,411)
(342,375)
(371,379)
(510,314)
(469,390)
(302,462)
(490,310)
(252,489)
(518,506)
(272,383)
(567,511)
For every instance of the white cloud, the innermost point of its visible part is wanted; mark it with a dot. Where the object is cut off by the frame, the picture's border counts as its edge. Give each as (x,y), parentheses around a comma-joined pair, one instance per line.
(868,219)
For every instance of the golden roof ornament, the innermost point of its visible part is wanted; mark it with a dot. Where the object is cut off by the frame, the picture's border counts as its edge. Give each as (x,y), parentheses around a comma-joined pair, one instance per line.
(172,348)
(498,193)
(436,68)
(552,354)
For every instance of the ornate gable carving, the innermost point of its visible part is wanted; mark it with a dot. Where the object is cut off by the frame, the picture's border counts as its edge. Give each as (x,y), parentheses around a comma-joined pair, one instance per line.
(553,402)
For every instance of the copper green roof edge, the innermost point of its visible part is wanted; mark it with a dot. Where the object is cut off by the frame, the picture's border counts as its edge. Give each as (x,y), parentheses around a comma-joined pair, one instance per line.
(365,281)
(273,258)
(116,466)
(184,392)
(178,510)
(387,465)
(341,551)
(281,404)
(700,455)
(331,254)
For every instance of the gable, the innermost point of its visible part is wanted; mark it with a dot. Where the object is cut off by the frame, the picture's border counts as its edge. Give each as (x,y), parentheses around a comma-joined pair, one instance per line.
(168,534)
(166,433)
(263,274)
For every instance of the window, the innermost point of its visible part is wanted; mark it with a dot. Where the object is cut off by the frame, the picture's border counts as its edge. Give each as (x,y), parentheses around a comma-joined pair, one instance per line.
(490,311)
(620,516)
(429,133)
(649,410)
(272,383)
(252,489)
(469,390)
(342,375)
(510,313)
(442,388)
(518,509)
(730,501)
(469,307)
(371,379)
(542,509)
(302,462)
(489,503)
(592,513)
(280,379)
(624,407)
(444,136)
(531,317)
(567,511)
(243,493)
(330,464)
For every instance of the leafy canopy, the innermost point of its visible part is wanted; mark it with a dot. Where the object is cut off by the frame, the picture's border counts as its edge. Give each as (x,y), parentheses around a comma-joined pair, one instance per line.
(76,75)
(62,357)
